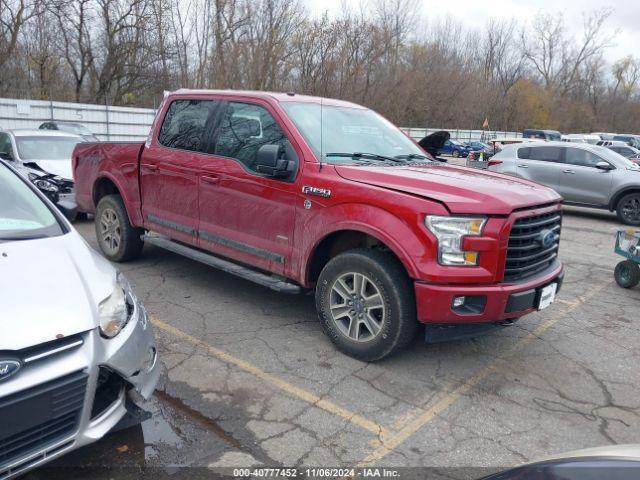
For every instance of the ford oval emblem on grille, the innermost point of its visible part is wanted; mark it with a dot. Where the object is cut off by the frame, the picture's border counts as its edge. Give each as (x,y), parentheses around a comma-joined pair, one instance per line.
(8,368)
(546,238)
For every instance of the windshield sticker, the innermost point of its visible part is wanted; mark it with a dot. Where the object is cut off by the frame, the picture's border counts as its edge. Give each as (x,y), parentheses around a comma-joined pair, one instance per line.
(18,224)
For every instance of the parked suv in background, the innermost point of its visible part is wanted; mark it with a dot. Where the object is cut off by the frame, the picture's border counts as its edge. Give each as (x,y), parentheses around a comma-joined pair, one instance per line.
(550,135)
(583,174)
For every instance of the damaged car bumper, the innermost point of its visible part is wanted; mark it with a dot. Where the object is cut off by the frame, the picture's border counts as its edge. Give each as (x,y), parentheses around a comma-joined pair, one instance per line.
(70,392)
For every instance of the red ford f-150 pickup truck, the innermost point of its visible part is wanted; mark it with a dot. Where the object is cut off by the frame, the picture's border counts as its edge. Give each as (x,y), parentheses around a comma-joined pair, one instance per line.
(301,193)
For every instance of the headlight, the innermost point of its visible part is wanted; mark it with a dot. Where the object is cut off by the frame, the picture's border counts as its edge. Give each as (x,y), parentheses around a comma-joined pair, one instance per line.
(114,310)
(449,231)
(43,184)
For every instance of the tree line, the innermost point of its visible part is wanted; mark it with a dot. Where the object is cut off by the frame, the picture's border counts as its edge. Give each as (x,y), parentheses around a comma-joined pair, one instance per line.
(385,54)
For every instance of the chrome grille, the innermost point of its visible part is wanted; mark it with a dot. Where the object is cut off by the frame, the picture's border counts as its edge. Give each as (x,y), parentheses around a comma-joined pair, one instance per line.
(526,253)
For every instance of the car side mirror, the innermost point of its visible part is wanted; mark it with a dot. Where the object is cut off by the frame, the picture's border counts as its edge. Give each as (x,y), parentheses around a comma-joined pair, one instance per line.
(6,156)
(605,166)
(273,162)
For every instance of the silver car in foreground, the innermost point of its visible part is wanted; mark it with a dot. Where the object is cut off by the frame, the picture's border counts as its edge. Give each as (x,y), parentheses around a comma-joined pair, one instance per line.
(583,174)
(74,340)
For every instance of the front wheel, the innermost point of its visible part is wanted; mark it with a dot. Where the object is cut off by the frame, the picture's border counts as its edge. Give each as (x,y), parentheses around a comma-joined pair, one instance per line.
(456,154)
(628,209)
(627,274)
(366,304)
(118,239)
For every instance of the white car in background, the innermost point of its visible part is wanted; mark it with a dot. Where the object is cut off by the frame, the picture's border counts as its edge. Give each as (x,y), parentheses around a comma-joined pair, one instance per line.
(75,340)
(44,157)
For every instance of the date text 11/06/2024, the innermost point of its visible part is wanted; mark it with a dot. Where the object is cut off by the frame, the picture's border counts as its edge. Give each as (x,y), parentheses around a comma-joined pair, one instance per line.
(316,472)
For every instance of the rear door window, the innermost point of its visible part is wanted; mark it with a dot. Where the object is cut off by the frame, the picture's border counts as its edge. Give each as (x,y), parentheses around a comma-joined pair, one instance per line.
(546,154)
(190,124)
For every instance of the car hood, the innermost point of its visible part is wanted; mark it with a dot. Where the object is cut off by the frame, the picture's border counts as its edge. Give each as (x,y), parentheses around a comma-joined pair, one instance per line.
(62,168)
(462,190)
(50,288)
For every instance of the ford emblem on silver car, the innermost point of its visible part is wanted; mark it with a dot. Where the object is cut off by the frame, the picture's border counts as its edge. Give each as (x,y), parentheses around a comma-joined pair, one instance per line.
(8,368)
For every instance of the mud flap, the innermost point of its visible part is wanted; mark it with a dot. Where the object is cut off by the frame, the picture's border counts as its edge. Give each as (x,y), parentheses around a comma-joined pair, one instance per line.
(447,333)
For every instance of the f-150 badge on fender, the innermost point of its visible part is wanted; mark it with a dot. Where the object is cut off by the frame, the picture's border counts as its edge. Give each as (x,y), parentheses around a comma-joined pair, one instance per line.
(322,192)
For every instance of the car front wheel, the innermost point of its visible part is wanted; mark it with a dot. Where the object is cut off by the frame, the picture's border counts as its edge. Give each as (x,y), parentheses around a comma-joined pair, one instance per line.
(628,209)
(366,304)
(456,153)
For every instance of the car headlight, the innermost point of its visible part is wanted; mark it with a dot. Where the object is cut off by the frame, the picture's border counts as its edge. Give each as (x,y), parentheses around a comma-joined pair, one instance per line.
(449,231)
(43,183)
(114,311)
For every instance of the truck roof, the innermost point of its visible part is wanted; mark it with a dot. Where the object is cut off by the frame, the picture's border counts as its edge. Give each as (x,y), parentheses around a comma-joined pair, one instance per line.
(277,96)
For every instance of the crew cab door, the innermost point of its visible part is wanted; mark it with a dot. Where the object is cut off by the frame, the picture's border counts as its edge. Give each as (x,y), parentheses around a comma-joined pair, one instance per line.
(540,164)
(169,171)
(580,180)
(246,215)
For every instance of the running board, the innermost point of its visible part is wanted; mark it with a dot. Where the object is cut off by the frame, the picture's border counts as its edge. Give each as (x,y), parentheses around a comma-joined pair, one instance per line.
(263,279)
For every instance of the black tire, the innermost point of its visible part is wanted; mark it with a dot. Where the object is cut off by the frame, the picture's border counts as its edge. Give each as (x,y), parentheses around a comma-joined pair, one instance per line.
(628,209)
(627,274)
(129,245)
(456,154)
(385,275)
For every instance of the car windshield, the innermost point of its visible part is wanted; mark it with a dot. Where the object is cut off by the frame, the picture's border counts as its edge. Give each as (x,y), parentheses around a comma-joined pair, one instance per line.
(74,128)
(45,147)
(616,158)
(350,130)
(23,215)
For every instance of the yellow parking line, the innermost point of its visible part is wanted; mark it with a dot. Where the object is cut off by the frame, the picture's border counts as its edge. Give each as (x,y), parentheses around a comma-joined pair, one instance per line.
(283,385)
(389,442)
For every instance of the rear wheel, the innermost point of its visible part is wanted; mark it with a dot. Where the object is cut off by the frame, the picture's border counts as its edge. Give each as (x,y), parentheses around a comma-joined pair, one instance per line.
(628,209)
(627,274)
(366,304)
(118,239)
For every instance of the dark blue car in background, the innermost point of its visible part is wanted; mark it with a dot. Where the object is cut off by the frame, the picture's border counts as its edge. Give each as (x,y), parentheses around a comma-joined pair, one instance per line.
(455,149)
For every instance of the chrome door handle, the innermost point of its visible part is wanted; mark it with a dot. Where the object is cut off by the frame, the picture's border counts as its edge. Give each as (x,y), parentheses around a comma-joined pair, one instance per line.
(523,166)
(569,171)
(151,167)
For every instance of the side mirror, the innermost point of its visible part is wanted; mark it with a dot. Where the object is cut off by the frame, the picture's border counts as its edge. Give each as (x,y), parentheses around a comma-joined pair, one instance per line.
(6,156)
(605,166)
(272,161)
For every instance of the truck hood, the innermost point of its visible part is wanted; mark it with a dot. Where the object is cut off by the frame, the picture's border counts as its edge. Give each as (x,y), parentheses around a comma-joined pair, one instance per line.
(462,190)
(50,288)
(62,168)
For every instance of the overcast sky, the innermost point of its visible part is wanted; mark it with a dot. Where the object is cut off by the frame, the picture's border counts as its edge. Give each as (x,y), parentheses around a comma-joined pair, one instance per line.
(625,17)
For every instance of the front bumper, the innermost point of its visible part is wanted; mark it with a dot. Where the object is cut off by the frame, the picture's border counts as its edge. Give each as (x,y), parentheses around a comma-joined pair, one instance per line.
(131,355)
(495,303)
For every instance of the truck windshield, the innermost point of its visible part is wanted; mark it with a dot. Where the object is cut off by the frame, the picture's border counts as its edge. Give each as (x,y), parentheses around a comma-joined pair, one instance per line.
(350,130)
(23,216)
(45,147)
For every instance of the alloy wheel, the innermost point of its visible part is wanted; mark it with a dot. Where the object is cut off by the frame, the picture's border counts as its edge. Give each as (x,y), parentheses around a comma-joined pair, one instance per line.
(357,307)
(110,231)
(631,209)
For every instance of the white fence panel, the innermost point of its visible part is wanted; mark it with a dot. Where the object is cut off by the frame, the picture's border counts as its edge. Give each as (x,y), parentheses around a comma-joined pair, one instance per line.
(108,123)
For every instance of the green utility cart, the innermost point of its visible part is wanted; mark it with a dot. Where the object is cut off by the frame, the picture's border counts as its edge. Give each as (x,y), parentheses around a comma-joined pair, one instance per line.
(627,272)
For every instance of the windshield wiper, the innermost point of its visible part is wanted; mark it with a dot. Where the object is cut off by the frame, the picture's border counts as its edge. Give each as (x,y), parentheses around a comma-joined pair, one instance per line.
(413,156)
(365,156)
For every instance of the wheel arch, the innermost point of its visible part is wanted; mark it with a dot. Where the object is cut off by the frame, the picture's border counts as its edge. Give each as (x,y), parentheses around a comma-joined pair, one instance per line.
(348,238)
(107,185)
(621,193)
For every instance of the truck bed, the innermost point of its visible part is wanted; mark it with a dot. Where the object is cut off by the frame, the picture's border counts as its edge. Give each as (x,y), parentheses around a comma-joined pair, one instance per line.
(103,164)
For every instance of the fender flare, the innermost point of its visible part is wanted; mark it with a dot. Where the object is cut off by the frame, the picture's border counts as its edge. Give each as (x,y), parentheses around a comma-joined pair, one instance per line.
(135,221)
